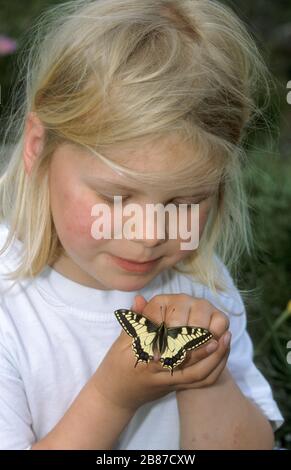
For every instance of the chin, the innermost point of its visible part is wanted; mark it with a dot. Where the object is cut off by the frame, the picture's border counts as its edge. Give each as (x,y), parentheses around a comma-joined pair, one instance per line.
(133,284)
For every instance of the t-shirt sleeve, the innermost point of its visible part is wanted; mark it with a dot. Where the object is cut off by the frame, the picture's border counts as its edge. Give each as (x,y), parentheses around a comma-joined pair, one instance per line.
(241,364)
(15,419)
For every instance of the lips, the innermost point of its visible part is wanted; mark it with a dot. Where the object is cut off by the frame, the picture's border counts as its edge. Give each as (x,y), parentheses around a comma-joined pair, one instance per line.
(135,266)
(139,262)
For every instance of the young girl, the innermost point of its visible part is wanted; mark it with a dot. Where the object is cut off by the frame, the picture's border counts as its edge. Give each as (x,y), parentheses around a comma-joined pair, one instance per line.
(149,101)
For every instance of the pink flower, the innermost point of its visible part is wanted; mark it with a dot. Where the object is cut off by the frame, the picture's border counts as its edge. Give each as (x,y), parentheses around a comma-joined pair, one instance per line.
(7,45)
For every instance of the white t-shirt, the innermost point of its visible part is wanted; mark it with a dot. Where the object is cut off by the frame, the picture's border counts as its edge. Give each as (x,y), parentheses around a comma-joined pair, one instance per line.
(55,332)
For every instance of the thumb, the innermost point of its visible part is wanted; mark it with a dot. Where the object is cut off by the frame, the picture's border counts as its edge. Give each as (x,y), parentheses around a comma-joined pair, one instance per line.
(139,303)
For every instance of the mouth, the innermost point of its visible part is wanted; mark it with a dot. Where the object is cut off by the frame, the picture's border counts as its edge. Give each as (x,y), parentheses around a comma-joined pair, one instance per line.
(134,266)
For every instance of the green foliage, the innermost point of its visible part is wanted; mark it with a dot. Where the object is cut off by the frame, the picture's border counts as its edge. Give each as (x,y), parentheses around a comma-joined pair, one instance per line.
(16,17)
(268,274)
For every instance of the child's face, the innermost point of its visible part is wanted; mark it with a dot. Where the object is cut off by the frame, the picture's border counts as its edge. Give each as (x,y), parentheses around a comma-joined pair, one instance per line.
(79,180)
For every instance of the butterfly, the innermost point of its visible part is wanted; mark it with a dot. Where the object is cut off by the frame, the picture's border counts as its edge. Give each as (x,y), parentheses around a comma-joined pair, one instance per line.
(171,343)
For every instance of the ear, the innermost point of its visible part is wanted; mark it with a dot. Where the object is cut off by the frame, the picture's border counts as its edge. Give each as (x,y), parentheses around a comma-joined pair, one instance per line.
(33,140)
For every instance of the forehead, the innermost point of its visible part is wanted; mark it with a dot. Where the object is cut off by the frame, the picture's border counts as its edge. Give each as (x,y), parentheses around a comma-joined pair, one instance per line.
(174,161)
(153,156)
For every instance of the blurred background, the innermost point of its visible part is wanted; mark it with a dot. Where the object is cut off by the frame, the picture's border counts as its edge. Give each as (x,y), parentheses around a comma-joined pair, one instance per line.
(266,276)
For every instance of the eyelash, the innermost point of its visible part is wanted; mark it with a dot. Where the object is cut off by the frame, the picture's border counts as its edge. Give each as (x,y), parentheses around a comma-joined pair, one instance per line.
(188,204)
(111,201)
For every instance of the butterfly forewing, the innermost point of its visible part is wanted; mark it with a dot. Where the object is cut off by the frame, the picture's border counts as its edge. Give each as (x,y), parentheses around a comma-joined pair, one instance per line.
(142,330)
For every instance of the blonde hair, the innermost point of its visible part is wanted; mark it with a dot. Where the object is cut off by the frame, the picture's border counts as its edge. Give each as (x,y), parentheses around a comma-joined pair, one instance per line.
(105,73)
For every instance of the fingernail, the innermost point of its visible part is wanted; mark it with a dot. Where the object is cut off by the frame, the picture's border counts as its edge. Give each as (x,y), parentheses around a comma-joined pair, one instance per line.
(211,346)
(226,339)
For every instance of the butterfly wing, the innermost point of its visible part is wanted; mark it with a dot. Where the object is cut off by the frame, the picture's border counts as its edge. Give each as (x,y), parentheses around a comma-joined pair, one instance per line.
(180,340)
(142,330)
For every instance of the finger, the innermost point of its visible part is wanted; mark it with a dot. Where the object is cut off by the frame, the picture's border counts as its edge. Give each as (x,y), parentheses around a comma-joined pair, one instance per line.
(163,377)
(139,303)
(191,312)
(178,316)
(200,314)
(198,354)
(210,380)
(205,367)
(200,370)
(219,323)
(195,355)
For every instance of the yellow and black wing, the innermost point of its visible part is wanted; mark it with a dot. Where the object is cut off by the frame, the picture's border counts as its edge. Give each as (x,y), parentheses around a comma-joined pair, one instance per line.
(181,339)
(142,330)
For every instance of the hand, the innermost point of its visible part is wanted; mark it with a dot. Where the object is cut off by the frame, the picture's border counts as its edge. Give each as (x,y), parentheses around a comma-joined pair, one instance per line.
(128,387)
(182,309)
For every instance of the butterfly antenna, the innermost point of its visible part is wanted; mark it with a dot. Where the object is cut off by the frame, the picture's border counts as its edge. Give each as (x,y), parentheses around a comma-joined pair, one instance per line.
(162,314)
(188,316)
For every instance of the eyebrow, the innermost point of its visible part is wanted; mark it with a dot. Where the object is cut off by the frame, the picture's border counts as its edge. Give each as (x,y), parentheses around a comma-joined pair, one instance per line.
(114,184)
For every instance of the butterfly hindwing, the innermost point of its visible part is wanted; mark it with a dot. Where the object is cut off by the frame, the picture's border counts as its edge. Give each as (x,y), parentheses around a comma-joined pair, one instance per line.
(180,340)
(142,330)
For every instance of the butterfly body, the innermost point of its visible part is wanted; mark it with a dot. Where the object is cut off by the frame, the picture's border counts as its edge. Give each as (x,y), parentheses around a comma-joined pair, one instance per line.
(160,340)
(170,343)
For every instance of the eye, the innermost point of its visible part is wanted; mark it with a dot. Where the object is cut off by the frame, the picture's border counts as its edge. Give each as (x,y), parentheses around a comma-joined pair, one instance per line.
(177,203)
(110,200)
(189,203)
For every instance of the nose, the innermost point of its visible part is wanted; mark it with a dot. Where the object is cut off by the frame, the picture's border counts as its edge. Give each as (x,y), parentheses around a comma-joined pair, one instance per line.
(151,225)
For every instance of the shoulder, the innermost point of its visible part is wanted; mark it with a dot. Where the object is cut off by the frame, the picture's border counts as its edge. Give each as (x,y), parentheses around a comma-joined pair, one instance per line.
(12,292)
(9,258)
(228,300)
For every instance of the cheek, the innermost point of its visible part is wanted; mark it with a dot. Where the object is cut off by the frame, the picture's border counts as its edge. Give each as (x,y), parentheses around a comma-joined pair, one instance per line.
(72,217)
(203,216)
(78,219)
(192,221)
